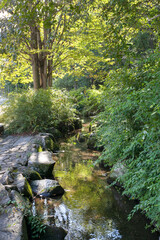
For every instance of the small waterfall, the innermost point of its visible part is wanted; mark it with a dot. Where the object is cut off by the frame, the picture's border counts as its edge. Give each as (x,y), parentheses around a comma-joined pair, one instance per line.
(34,208)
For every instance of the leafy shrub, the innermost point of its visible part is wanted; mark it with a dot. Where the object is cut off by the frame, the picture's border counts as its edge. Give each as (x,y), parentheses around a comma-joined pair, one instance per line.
(36,111)
(130,133)
(89,101)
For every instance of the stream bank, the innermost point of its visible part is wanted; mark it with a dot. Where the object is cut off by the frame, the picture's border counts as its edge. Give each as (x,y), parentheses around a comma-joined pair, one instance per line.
(24,161)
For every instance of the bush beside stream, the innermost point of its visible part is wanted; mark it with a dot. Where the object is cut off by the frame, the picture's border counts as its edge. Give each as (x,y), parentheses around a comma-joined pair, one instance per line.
(39,111)
(130,132)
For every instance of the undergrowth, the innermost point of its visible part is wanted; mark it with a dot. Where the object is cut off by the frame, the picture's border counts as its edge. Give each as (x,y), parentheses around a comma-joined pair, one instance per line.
(36,111)
(130,132)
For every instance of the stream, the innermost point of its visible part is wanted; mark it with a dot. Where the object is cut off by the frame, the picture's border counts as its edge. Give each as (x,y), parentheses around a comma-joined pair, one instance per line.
(89,210)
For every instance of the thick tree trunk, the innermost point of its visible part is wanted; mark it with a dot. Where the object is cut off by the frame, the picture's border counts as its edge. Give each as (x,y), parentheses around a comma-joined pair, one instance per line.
(43,73)
(35,70)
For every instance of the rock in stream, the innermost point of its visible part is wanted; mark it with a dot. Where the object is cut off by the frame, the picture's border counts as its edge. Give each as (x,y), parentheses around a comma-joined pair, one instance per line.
(46,188)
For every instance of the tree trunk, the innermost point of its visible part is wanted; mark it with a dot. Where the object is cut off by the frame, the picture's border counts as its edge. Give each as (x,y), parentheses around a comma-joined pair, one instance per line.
(49,73)
(35,59)
(35,70)
(43,72)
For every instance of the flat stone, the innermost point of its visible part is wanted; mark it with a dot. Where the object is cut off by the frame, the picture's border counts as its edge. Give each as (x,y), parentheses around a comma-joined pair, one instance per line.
(47,188)
(42,162)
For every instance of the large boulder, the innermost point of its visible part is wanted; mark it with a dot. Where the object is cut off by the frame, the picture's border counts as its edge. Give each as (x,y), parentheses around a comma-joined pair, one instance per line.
(42,162)
(12,224)
(23,185)
(46,188)
(117,171)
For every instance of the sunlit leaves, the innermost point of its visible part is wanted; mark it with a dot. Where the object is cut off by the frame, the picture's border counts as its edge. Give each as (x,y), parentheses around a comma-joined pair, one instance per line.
(15,71)
(130,131)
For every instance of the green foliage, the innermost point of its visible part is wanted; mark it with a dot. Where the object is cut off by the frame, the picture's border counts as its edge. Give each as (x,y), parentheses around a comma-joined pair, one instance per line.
(130,131)
(34,111)
(70,82)
(89,101)
(34,223)
(15,71)
(144,41)
(36,226)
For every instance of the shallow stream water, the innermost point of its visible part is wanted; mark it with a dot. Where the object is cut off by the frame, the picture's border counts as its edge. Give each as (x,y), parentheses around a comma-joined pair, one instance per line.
(89,210)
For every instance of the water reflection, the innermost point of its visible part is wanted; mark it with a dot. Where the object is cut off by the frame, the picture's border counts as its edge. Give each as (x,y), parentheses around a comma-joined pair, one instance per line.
(88,210)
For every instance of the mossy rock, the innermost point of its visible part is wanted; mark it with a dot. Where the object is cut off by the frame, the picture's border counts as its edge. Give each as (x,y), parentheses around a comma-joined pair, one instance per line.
(43,163)
(23,186)
(47,142)
(27,189)
(31,174)
(13,225)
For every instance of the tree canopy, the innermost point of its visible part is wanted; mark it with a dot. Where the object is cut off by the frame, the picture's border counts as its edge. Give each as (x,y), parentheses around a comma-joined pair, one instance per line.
(42,32)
